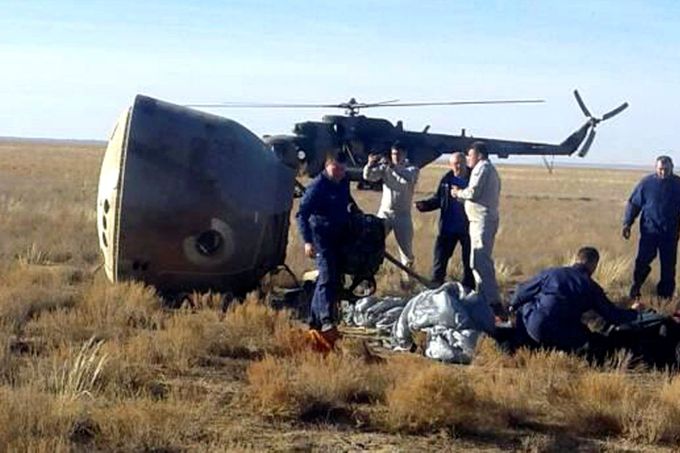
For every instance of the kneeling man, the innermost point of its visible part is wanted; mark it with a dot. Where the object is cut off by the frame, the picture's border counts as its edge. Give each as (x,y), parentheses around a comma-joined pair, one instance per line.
(550,305)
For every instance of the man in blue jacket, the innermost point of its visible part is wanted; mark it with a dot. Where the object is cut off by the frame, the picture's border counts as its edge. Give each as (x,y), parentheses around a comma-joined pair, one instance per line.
(323,219)
(453,223)
(657,200)
(550,305)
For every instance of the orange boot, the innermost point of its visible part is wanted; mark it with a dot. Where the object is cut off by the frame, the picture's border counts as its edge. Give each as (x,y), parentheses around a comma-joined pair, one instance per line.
(323,340)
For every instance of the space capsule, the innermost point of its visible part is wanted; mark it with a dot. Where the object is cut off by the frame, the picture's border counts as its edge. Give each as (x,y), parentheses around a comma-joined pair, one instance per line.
(190,201)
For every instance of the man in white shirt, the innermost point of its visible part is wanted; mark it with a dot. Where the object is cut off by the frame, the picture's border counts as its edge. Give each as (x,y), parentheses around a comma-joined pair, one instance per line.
(399,179)
(481,206)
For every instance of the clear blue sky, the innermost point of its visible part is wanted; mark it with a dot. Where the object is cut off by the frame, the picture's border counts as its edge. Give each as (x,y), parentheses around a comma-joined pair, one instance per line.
(69,68)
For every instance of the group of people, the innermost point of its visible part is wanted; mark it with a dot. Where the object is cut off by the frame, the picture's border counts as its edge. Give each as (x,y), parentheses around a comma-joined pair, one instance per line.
(467,198)
(548,306)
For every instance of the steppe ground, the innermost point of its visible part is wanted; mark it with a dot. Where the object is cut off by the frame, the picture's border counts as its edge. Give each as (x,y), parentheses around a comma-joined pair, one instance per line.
(89,365)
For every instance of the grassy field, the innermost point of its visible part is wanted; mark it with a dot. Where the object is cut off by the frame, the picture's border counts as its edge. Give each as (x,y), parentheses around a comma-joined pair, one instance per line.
(89,365)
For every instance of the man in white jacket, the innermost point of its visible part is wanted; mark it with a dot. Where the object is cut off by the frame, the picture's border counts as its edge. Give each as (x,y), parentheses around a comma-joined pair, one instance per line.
(481,206)
(399,179)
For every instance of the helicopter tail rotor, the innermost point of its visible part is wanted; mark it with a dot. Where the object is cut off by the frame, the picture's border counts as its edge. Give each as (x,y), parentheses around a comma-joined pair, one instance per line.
(592,122)
(615,112)
(589,141)
(582,104)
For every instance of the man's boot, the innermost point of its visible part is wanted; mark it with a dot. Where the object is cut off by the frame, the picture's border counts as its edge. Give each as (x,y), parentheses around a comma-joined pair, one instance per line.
(324,340)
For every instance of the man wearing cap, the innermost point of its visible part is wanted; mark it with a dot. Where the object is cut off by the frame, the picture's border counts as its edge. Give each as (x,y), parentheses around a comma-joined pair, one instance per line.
(656,199)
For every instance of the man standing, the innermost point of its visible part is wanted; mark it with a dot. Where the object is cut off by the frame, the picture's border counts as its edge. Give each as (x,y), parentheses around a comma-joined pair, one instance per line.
(550,305)
(481,206)
(323,218)
(399,179)
(657,198)
(453,222)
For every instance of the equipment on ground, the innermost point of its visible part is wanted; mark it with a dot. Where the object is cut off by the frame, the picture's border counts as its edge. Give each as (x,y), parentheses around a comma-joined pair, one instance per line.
(653,340)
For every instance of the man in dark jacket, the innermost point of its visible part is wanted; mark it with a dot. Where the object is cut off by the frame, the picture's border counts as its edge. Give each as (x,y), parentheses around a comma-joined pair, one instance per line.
(657,199)
(550,305)
(453,223)
(323,219)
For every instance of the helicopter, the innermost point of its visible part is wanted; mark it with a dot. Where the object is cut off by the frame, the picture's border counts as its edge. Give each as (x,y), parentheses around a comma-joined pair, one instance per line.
(358,136)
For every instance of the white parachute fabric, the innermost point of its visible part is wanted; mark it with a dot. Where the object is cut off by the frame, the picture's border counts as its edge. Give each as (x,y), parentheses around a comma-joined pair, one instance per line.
(378,312)
(452,319)
(388,318)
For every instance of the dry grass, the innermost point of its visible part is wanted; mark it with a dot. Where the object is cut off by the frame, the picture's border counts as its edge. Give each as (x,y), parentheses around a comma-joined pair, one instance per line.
(77,377)
(430,398)
(29,290)
(29,417)
(665,417)
(310,386)
(86,365)
(599,403)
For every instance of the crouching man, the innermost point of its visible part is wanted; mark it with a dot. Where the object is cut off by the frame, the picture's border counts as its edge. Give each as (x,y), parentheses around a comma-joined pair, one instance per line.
(550,305)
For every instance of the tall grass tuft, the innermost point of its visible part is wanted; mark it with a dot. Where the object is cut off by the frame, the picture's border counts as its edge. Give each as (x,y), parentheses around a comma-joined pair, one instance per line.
(33,255)
(614,272)
(77,377)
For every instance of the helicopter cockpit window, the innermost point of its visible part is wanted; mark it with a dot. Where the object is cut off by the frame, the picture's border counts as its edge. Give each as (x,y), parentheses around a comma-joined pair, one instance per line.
(209,242)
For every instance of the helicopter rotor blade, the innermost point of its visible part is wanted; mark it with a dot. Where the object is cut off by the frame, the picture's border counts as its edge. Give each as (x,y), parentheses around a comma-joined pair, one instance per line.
(358,105)
(254,105)
(615,112)
(379,104)
(423,104)
(581,104)
(586,146)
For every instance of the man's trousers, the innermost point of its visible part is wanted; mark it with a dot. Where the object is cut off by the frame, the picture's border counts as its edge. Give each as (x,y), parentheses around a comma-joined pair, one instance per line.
(325,298)
(444,246)
(402,224)
(667,249)
(482,238)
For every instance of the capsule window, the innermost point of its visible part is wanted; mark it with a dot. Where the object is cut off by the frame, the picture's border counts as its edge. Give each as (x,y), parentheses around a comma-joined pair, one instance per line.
(106,206)
(209,242)
(104,221)
(104,241)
